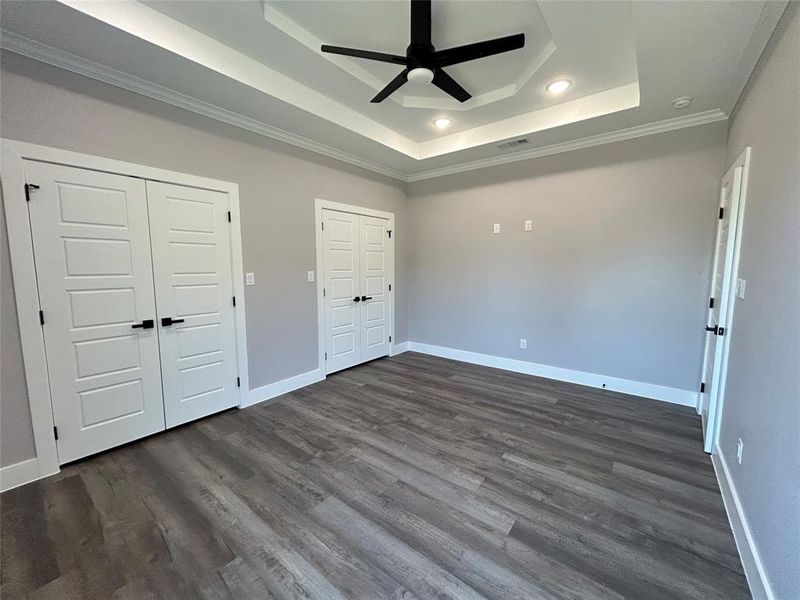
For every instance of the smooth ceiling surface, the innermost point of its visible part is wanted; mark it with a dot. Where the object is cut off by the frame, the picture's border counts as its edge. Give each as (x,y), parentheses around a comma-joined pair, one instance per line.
(257,64)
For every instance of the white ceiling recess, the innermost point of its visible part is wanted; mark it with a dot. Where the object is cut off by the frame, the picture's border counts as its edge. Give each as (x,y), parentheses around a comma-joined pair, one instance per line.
(257,65)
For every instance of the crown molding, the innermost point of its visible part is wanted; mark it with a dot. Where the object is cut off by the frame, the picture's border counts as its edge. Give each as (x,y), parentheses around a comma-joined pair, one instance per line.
(701,118)
(64,60)
(70,62)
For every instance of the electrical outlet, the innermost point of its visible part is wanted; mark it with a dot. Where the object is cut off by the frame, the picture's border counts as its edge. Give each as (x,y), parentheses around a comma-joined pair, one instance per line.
(496,228)
(741,284)
(739,450)
(250,278)
(311,275)
(528,225)
(523,343)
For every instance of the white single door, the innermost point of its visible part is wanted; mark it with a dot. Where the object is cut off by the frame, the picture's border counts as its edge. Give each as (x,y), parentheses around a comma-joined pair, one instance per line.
(721,297)
(374,286)
(342,298)
(93,265)
(190,235)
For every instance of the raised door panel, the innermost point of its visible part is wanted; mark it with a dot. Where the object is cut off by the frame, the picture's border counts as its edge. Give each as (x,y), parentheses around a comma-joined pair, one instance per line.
(341,281)
(374,258)
(93,264)
(194,289)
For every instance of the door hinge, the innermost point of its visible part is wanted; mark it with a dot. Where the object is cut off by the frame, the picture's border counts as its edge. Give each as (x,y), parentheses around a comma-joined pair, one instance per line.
(234,300)
(721,212)
(323,227)
(28,188)
(323,292)
(390,233)
(720,331)
(41,317)
(238,382)
(702,388)
(55,432)
(229,216)
(326,356)
(711,303)
(390,287)
(390,338)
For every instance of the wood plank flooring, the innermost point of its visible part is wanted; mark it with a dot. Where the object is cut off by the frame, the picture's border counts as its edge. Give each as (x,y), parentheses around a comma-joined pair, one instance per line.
(406,478)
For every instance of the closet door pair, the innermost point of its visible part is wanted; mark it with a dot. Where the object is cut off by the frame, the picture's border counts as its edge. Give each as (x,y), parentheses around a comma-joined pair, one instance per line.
(136,296)
(356,288)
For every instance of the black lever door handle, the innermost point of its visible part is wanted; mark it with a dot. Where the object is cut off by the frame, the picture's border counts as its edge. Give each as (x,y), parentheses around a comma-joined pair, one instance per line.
(356,299)
(712,329)
(146,324)
(167,321)
(365,298)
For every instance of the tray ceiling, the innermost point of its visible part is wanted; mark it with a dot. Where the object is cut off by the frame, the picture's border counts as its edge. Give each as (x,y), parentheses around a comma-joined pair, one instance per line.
(258,65)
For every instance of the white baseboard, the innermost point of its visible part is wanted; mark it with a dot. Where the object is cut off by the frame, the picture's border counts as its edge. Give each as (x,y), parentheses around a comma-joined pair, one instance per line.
(273,390)
(748,551)
(400,348)
(626,386)
(20,473)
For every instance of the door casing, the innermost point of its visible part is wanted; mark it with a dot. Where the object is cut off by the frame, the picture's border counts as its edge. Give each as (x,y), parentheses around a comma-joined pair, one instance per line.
(26,291)
(319,206)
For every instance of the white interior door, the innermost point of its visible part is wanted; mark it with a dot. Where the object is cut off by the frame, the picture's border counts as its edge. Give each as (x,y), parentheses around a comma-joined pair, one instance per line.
(190,235)
(721,298)
(340,235)
(93,264)
(375,305)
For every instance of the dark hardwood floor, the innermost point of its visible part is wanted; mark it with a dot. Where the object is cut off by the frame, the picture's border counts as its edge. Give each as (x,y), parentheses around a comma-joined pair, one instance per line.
(410,477)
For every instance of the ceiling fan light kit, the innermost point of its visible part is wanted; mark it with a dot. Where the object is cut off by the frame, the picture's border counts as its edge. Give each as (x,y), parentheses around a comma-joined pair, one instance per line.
(423,63)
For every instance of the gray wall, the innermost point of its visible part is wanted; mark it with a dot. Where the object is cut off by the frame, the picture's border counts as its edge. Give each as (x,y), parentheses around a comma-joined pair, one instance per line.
(612,280)
(277,186)
(762,404)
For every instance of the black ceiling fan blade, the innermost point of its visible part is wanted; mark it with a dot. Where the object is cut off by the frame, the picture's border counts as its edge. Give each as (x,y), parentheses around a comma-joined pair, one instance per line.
(421,22)
(460,54)
(368,54)
(391,87)
(449,85)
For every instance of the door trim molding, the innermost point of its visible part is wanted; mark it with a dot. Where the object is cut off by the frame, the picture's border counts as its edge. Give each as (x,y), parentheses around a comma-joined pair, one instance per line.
(26,291)
(717,392)
(319,206)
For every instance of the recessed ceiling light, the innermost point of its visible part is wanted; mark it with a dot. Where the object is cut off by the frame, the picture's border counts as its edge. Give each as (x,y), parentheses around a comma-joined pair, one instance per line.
(442,123)
(558,86)
(681,102)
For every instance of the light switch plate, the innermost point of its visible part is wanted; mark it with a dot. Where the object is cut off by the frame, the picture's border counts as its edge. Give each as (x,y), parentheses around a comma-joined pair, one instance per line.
(496,228)
(250,278)
(523,344)
(528,225)
(311,275)
(741,284)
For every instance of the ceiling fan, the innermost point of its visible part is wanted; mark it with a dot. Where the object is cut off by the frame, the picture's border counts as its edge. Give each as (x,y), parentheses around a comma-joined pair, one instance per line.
(424,64)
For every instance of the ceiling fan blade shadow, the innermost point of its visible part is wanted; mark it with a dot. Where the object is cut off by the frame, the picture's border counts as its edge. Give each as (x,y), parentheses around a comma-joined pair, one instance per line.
(460,54)
(368,54)
(449,85)
(391,87)
(421,22)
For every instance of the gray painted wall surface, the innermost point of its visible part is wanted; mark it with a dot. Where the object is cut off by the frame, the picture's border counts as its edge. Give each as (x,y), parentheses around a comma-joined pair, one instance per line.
(762,404)
(277,187)
(613,278)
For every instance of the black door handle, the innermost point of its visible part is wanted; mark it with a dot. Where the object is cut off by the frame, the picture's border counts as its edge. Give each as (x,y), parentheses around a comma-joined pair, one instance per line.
(365,298)
(356,299)
(146,324)
(712,329)
(167,321)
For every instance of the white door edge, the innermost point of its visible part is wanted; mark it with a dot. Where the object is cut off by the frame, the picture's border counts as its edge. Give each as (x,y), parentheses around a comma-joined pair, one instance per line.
(320,205)
(26,290)
(727,304)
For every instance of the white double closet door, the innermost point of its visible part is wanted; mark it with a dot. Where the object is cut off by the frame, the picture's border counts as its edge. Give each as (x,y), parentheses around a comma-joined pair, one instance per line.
(135,288)
(357,283)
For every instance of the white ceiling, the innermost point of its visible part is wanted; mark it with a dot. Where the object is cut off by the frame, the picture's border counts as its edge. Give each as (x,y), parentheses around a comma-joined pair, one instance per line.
(258,65)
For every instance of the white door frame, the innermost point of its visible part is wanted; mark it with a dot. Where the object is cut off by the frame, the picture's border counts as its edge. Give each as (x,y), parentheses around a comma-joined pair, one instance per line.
(26,289)
(726,307)
(319,206)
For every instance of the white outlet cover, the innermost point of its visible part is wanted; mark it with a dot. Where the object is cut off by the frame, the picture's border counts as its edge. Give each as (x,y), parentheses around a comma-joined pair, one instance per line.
(523,344)
(250,278)
(741,284)
(496,228)
(528,225)
(311,275)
